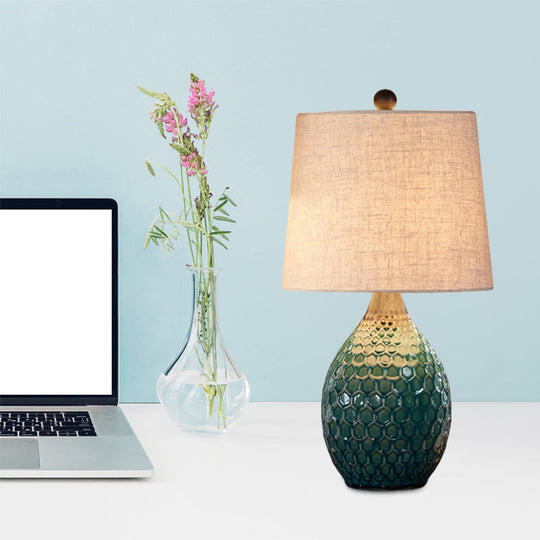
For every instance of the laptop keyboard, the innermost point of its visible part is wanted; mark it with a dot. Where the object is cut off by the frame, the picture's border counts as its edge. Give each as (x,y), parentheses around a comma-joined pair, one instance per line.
(46,424)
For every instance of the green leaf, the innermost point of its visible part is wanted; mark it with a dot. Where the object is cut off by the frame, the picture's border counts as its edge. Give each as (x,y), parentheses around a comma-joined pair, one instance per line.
(161,231)
(164,215)
(218,241)
(224,218)
(220,205)
(221,233)
(231,201)
(150,168)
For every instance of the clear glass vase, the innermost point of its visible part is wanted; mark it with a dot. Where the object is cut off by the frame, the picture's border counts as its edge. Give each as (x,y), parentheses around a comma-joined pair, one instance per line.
(202,389)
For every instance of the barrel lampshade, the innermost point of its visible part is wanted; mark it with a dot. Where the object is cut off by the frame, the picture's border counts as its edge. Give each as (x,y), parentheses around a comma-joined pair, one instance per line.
(387,201)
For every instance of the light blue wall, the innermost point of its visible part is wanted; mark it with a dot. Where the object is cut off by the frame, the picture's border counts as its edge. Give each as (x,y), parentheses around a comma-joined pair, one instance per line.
(72,124)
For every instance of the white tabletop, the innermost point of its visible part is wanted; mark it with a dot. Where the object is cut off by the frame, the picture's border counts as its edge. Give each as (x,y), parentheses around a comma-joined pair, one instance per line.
(271,478)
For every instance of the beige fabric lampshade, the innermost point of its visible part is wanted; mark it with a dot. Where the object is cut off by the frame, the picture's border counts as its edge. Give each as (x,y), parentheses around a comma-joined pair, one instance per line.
(387,201)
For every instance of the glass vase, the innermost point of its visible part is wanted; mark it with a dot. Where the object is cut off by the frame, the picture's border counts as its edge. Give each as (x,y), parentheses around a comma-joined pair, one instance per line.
(202,389)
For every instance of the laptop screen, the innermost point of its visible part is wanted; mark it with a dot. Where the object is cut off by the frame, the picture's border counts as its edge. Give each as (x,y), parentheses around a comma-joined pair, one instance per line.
(56,300)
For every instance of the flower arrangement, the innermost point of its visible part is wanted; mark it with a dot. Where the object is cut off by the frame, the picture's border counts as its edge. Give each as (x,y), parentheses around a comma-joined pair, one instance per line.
(200,221)
(196,216)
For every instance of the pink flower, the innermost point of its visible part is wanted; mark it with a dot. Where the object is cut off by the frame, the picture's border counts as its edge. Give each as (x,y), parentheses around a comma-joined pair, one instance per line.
(193,164)
(201,101)
(169,120)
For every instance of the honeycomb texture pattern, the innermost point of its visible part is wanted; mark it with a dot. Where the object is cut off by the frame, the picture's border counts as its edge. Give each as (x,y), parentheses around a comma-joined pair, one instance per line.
(386,407)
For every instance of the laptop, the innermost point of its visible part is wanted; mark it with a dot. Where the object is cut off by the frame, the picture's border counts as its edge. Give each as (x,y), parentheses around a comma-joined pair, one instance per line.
(59,414)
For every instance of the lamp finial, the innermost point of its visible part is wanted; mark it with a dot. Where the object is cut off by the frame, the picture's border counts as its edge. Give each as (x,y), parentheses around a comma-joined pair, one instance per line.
(385,100)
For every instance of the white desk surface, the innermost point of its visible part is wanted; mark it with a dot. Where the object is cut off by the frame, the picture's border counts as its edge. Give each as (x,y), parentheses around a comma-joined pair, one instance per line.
(271,478)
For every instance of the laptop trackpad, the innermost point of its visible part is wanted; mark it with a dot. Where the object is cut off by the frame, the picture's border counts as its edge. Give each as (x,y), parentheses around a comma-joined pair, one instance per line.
(19,453)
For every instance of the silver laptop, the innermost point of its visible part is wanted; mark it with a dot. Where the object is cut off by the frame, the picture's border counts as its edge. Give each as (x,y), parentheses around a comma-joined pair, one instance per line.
(59,414)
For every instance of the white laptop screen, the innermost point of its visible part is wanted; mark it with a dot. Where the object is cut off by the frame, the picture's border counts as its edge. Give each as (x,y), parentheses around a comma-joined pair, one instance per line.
(55,302)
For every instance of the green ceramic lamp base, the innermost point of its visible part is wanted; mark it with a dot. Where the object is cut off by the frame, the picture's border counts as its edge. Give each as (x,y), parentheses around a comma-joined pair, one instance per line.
(386,408)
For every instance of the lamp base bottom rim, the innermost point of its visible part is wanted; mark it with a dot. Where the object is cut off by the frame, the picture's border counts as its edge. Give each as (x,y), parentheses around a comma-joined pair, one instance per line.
(385,488)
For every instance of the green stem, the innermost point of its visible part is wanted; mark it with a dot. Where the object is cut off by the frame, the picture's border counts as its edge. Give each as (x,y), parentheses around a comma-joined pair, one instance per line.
(185,210)
(181,140)
(193,215)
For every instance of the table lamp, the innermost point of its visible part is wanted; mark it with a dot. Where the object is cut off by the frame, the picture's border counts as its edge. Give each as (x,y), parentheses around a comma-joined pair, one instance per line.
(386,201)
